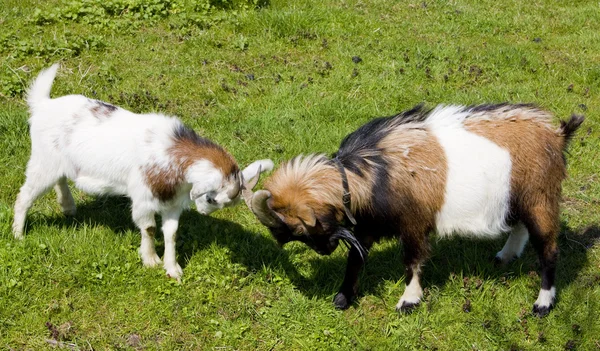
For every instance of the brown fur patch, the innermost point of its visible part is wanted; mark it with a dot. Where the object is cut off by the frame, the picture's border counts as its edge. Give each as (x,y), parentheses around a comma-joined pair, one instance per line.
(305,182)
(187,152)
(164,182)
(417,174)
(538,167)
(187,149)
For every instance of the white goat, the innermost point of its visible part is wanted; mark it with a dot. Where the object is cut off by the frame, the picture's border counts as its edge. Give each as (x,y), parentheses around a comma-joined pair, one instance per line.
(153,159)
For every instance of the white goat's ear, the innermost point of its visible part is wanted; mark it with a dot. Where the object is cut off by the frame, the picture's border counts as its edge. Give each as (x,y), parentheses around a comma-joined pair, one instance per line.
(198,190)
(253,168)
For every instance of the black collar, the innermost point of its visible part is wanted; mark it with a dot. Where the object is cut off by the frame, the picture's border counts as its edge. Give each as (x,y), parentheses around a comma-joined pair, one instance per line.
(346,197)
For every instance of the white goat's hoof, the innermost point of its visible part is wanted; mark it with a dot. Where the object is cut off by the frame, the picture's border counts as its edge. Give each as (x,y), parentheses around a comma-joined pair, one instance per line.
(71,211)
(502,259)
(151,261)
(174,272)
(17,232)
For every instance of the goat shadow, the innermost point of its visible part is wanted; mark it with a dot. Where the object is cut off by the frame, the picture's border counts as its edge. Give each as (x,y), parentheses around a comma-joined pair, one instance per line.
(195,232)
(450,258)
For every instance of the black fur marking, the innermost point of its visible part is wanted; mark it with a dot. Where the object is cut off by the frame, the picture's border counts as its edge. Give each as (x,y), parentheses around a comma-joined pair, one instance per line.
(110,108)
(102,109)
(568,128)
(497,107)
(368,136)
(183,133)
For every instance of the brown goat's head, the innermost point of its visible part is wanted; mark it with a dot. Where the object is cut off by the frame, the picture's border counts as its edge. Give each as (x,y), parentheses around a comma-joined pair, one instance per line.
(303,202)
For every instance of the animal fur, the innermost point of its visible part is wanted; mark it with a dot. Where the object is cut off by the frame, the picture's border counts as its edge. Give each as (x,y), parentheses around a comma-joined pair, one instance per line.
(475,171)
(153,159)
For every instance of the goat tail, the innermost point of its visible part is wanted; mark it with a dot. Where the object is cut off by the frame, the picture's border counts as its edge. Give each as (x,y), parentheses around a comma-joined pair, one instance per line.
(40,89)
(568,128)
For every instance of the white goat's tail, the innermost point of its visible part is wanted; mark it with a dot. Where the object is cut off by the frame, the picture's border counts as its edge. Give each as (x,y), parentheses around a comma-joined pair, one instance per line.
(40,89)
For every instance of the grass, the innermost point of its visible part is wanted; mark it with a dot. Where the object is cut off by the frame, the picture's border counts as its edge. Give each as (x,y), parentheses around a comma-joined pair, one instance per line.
(276,80)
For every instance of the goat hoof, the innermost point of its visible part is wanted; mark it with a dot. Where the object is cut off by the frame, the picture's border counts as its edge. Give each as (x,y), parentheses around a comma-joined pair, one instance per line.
(541,311)
(70,212)
(152,261)
(341,302)
(499,261)
(407,307)
(175,272)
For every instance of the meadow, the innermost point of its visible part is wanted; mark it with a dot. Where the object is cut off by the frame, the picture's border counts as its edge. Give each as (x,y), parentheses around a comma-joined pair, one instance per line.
(273,79)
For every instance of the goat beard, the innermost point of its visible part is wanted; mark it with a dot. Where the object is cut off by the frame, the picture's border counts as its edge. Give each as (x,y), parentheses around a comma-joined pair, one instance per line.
(348,238)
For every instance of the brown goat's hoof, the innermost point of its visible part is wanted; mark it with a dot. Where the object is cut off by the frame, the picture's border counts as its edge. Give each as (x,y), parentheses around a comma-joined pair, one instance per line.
(541,311)
(341,302)
(407,307)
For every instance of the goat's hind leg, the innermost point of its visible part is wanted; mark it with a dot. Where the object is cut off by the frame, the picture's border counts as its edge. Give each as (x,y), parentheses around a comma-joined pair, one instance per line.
(543,227)
(514,244)
(64,197)
(39,180)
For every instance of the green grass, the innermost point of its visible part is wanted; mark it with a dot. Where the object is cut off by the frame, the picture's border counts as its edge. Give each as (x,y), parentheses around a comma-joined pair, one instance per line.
(277,80)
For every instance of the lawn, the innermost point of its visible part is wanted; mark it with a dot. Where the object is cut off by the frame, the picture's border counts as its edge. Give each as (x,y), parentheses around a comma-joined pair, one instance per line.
(273,79)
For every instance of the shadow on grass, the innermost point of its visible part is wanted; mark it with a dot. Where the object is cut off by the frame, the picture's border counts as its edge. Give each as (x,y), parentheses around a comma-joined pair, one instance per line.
(449,257)
(195,233)
(452,257)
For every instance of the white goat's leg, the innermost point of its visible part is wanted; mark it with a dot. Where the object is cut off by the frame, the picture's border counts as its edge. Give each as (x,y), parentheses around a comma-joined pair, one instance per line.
(64,197)
(170,223)
(144,219)
(514,244)
(37,183)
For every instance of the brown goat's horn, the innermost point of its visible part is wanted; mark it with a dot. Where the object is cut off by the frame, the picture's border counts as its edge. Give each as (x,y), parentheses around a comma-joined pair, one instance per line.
(259,206)
(257,202)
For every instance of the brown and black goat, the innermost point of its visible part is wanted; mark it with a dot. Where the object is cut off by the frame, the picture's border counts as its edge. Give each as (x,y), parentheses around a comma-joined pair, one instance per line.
(477,171)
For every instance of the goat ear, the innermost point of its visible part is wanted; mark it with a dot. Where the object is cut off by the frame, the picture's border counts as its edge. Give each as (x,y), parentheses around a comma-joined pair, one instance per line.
(255,167)
(198,189)
(307,216)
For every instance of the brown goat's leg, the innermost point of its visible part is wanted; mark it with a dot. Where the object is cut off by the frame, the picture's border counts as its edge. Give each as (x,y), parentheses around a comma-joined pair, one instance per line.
(416,249)
(349,288)
(543,229)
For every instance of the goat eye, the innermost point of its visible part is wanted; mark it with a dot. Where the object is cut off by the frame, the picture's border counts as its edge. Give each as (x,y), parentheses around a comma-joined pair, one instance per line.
(211,200)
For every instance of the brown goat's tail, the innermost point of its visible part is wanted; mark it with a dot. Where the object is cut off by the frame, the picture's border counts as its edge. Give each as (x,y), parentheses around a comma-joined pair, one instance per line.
(568,128)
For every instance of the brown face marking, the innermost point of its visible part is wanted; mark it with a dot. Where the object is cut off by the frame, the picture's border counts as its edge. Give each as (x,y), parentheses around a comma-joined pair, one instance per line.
(187,149)
(306,184)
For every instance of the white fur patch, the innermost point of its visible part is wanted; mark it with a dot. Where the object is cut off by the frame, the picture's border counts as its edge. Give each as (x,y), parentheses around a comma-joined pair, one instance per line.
(546,297)
(476,200)
(412,294)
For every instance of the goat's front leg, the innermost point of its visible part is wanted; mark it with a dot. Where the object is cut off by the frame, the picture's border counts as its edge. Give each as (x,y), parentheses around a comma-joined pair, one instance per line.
(416,250)
(144,219)
(349,288)
(170,222)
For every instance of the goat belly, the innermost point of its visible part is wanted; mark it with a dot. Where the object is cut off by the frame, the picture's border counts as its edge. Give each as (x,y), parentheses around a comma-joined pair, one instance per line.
(99,186)
(477,192)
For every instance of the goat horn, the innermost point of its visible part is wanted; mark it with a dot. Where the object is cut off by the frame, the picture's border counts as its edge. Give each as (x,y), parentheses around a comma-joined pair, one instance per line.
(247,187)
(259,206)
(233,193)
